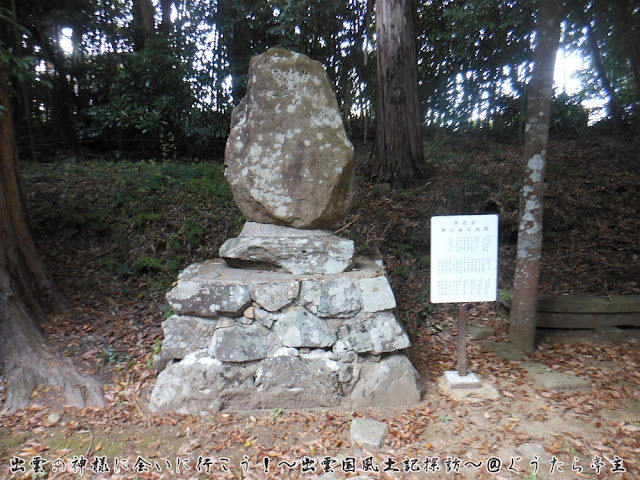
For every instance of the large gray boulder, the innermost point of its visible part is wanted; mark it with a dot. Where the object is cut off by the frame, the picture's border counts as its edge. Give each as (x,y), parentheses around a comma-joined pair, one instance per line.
(288,158)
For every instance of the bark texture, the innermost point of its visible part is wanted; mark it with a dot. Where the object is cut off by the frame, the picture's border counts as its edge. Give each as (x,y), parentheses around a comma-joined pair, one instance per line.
(25,293)
(143,24)
(398,156)
(523,312)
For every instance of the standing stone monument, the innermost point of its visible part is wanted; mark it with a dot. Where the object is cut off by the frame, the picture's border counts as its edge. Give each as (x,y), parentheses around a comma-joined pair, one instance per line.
(288,317)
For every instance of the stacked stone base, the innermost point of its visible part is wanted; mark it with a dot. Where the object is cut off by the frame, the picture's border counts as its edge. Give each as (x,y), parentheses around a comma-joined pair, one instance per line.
(250,339)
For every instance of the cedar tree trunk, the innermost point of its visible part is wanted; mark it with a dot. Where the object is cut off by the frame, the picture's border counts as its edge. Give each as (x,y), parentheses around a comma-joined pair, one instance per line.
(398,156)
(143,24)
(616,113)
(25,293)
(523,310)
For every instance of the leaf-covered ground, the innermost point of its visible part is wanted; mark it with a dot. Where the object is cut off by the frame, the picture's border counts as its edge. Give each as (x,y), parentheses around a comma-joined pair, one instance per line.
(115,234)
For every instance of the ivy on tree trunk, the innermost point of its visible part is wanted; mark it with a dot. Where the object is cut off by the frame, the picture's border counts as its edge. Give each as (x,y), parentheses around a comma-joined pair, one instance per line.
(523,310)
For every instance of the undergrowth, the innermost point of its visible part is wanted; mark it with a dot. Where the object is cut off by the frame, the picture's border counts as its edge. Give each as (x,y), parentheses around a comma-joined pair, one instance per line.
(132,219)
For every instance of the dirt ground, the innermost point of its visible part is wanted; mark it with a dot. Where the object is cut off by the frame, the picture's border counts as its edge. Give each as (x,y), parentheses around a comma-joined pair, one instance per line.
(516,426)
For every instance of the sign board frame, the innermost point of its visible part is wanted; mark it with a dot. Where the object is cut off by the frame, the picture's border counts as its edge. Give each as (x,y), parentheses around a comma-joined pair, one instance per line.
(464,258)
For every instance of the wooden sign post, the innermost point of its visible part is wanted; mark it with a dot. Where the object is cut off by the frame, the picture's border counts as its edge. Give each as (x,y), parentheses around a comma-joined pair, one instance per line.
(464,269)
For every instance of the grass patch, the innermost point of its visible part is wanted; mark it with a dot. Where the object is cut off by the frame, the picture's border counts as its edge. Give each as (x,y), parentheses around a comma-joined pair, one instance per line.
(142,218)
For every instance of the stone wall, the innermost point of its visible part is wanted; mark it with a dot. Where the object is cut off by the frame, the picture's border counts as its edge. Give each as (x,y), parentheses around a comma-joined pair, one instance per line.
(244,339)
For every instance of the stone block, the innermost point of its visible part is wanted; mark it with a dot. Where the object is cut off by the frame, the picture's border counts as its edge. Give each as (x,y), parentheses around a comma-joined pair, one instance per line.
(241,343)
(294,382)
(273,296)
(387,334)
(390,382)
(266,318)
(208,299)
(377,294)
(310,293)
(368,434)
(292,250)
(200,384)
(339,298)
(380,333)
(297,327)
(183,335)
(354,336)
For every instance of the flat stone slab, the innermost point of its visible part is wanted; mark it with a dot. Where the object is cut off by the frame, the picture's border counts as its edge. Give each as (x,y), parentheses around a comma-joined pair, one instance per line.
(455,381)
(629,413)
(483,392)
(610,333)
(546,378)
(368,434)
(208,300)
(505,350)
(272,247)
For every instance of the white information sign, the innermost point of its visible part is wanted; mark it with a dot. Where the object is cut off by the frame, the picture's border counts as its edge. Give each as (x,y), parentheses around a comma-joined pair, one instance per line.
(464,258)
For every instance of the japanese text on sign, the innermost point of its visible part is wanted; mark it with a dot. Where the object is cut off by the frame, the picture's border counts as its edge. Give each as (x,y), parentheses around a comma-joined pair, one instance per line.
(464,258)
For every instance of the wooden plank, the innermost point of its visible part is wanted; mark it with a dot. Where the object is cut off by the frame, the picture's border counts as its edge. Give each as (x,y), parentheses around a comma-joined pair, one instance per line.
(589,304)
(580,303)
(586,320)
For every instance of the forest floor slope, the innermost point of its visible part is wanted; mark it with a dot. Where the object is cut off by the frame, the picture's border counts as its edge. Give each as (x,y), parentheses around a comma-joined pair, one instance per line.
(115,234)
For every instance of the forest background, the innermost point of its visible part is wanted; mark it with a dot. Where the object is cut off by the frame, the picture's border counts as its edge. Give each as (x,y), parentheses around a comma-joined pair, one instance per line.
(159,78)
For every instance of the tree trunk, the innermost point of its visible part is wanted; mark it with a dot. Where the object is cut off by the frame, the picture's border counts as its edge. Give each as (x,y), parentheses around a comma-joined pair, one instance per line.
(165,26)
(626,25)
(25,293)
(143,24)
(523,312)
(398,156)
(615,112)
(24,88)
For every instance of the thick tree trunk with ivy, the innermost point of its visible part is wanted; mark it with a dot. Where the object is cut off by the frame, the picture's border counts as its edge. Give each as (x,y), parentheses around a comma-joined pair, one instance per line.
(525,289)
(26,292)
(398,156)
